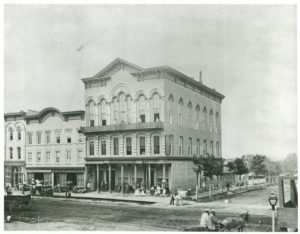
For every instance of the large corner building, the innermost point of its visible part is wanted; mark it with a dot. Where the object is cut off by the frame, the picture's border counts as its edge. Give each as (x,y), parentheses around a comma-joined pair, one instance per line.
(143,126)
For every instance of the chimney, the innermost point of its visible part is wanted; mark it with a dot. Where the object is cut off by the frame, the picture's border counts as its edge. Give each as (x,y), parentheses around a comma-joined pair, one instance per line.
(200,77)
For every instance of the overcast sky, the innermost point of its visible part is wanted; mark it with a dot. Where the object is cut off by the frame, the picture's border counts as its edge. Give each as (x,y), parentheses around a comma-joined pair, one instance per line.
(247,53)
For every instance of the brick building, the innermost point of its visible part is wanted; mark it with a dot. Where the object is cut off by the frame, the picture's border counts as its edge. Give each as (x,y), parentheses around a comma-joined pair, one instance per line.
(143,125)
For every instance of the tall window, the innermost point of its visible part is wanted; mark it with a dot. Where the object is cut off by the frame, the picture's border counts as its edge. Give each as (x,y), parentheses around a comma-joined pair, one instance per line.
(212,147)
(190,146)
(204,118)
(19,134)
(91,147)
(103,112)
(30,138)
(58,138)
(211,116)
(19,152)
(217,122)
(39,137)
(190,120)
(38,157)
(57,156)
(122,108)
(91,112)
(103,147)
(171,108)
(47,135)
(69,139)
(128,108)
(198,147)
(79,156)
(181,112)
(116,146)
(204,147)
(181,145)
(217,149)
(197,117)
(11,152)
(11,134)
(142,109)
(128,146)
(142,141)
(156,107)
(79,136)
(68,157)
(47,157)
(29,157)
(156,144)
(115,109)
(169,144)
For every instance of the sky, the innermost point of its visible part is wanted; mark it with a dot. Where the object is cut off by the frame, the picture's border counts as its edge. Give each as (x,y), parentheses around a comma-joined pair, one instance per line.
(247,53)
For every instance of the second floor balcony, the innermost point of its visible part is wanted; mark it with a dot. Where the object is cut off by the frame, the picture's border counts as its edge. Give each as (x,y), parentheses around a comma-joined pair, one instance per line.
(158,125)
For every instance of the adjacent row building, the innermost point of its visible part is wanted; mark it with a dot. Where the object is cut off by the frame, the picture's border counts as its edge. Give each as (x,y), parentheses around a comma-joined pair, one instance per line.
(140,127)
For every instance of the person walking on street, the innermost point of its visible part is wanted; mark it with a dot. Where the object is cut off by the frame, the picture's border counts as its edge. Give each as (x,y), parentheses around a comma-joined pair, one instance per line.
(204,220)
(172,199)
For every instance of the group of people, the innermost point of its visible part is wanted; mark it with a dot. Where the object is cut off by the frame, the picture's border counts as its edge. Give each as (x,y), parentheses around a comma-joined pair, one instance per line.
(158,191)
(208,221)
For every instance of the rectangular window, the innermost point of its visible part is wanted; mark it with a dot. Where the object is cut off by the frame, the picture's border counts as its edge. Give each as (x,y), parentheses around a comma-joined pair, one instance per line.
(91,147)
(103,147)
(190,146)
(79,156)
(68,156)
(142,145)
(47,157)
(57,156)
(39,137)
(79,136)
(128,146)
(38,157)
(156,117)
(156,144)
(116,146)
(181,145)
(103,122)
(47,137)
(69,139)
(29,158)
(212,147)
(92,123)
(29,138)
(58,139)
(198,147)
(11,152)
(19,152)
(143,118)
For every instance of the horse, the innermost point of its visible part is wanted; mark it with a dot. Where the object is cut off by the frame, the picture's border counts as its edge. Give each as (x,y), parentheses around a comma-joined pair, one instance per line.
(235,222)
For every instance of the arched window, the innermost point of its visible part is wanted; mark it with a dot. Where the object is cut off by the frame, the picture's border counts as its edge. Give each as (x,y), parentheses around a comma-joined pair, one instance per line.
(197,117)
(212,147)
(19,133)
(211,116)
(217,122)
(169,144)
(198,147)
(181,112)
(103,111)
(115,110)
(180,145)
(122,108)
(156,107)
(129,108)
(11,134)
(204,147)
(91,113)
(217,149)
(142,109)
(204,118)
(170,108)
(190,120)
(142,145)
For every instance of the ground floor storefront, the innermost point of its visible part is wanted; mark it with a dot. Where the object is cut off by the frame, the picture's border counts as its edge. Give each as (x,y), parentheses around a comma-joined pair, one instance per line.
(14,173)
(56,176)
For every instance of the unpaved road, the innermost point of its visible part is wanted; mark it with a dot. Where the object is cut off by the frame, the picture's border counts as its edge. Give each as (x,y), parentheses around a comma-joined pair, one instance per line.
(69,214)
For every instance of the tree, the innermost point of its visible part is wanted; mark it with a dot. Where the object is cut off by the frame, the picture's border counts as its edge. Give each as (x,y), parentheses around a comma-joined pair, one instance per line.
(257,165)
(238,167)
(209,165)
